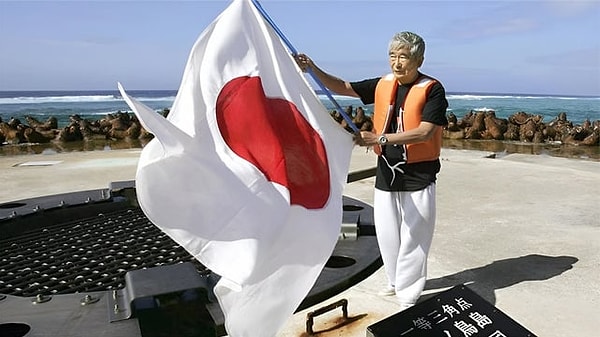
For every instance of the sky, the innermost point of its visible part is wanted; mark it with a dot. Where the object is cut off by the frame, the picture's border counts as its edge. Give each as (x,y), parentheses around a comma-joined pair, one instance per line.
(526,47)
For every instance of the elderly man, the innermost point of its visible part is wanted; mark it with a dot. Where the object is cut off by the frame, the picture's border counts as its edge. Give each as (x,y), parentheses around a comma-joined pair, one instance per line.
(409,114)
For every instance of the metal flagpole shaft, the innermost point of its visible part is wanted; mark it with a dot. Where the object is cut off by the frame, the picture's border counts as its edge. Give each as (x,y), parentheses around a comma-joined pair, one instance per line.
(310,71)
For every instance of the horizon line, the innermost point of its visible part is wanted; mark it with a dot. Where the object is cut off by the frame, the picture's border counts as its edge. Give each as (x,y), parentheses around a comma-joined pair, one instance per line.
(319,91)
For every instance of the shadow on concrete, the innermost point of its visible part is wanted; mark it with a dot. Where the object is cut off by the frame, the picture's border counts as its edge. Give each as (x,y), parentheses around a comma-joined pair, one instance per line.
(503,273)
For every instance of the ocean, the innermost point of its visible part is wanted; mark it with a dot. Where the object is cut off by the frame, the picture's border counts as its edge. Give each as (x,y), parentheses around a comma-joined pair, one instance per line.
(97,104)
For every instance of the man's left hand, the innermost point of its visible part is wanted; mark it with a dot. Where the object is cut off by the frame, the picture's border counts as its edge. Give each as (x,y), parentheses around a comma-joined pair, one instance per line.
(365,138)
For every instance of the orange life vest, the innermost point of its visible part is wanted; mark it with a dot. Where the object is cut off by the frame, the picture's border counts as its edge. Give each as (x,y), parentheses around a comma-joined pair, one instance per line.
(385,96)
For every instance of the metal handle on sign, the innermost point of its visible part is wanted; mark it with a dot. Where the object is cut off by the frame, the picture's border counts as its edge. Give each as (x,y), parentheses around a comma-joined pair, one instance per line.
(310,316)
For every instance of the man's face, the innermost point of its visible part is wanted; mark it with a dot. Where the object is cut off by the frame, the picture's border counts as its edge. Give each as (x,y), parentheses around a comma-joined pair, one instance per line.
(404,66)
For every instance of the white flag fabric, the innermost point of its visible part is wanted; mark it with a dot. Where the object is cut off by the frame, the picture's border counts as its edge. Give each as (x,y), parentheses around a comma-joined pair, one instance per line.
(247,171)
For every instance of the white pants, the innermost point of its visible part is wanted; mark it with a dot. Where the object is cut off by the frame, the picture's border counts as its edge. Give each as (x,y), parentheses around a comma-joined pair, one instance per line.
(404,223)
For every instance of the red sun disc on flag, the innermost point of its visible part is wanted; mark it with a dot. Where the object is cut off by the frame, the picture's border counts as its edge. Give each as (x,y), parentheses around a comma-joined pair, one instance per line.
(275,137)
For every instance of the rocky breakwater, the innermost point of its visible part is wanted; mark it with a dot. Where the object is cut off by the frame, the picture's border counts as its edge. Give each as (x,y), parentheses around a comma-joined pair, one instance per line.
(117,126)
(475,125)
(522,127)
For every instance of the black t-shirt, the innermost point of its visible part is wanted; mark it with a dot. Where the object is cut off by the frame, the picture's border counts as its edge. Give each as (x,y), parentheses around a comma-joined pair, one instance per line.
(393,174)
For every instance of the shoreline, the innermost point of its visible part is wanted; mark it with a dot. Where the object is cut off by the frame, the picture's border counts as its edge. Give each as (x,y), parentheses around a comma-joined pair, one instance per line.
(497,148)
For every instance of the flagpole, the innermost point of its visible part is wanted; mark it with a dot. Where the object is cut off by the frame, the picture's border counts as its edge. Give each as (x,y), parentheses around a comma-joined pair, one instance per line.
(310,71)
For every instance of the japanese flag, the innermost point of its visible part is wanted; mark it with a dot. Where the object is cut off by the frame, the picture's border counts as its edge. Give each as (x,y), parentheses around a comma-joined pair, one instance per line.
(247,171)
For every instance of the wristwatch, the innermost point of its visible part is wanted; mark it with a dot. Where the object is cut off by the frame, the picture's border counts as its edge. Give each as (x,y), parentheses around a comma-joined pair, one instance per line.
(382,140)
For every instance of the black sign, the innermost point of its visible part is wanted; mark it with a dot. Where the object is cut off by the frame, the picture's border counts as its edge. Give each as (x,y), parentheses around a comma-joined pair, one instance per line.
(457,312)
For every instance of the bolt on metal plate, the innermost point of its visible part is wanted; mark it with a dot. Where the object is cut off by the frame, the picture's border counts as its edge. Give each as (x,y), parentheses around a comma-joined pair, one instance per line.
(41,298)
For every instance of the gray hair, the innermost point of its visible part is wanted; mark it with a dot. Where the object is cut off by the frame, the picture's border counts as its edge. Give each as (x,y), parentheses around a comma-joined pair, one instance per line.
(412,41)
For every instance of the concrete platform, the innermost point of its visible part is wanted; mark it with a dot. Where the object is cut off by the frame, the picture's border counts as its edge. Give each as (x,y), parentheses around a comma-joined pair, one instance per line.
(522,230)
